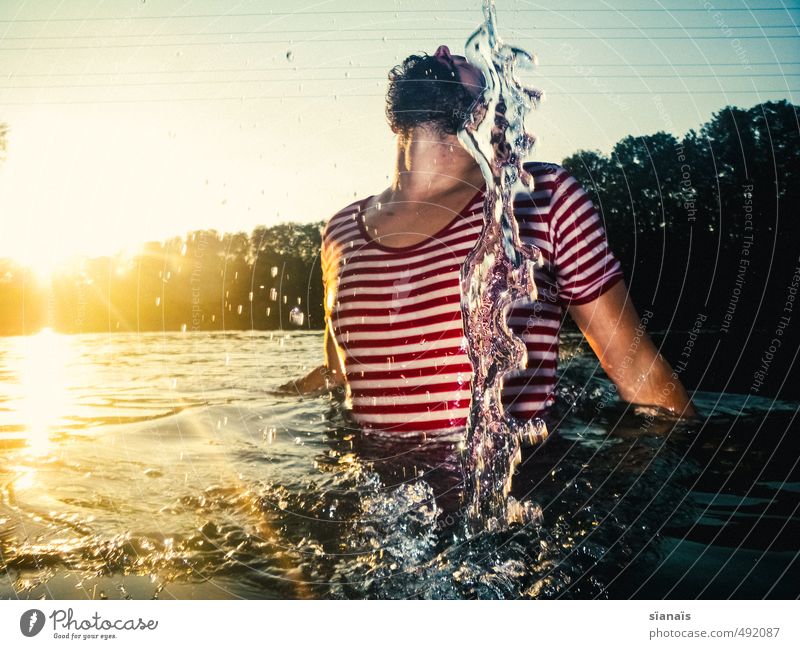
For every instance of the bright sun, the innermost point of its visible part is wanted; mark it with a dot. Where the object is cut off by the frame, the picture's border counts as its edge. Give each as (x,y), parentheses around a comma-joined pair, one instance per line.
(43,258)
(43,267)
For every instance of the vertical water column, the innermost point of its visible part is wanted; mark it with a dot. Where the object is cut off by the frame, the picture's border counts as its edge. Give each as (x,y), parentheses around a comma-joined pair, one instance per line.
(496,273)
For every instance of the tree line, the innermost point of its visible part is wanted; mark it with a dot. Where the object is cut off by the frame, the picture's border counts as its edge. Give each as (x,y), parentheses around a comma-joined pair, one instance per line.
(205,281)
(706,227)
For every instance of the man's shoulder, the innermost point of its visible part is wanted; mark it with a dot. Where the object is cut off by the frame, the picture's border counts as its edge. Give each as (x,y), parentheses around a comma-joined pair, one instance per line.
(546,178)
(544,168)
(342,219)
(551,179)
(547,172)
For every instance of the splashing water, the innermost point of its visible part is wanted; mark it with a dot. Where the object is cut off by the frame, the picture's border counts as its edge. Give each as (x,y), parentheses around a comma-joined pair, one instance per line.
(496,273)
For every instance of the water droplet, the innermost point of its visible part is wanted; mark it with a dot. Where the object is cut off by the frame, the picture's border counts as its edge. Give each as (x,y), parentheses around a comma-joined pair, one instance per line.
(290,56)
(297,317)
(274,271)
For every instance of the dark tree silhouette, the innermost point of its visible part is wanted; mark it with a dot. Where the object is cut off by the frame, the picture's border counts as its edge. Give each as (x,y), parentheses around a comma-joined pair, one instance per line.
(706,227)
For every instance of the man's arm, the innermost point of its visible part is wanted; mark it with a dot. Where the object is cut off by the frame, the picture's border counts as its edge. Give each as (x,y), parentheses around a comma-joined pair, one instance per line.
(324,377)
(611,325)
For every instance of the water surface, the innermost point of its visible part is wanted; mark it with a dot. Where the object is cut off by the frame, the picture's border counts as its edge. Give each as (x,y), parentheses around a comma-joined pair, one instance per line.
(165,465)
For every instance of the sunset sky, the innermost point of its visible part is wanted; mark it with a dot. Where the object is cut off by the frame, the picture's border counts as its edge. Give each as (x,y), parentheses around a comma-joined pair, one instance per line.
(131,120)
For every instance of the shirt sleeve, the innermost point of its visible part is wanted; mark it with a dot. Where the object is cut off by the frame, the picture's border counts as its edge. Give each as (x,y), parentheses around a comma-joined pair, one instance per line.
(329,271)
(584,265)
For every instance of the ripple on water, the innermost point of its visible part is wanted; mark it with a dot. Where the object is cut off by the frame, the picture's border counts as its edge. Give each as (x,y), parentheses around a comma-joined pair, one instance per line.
(202,504)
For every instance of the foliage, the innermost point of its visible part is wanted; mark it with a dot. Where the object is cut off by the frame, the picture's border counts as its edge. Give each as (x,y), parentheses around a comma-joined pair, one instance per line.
(706,227)
(205,281)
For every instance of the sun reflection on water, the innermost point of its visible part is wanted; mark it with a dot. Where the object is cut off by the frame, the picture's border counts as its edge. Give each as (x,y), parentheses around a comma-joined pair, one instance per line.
(40,364)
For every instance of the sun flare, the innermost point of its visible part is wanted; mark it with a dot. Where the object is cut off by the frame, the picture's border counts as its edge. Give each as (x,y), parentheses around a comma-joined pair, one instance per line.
(41,363)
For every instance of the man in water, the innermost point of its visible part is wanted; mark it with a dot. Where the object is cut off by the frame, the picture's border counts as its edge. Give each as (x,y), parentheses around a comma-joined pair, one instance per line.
(391,264)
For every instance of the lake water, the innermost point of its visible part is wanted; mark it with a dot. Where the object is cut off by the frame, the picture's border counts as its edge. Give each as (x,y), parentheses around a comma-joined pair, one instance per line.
(166,465)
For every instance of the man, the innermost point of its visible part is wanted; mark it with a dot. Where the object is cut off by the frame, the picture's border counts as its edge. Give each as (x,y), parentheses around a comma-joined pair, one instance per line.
(391,263)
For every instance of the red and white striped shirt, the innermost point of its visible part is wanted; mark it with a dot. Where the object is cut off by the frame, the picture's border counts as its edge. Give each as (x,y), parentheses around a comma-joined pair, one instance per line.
(395,313)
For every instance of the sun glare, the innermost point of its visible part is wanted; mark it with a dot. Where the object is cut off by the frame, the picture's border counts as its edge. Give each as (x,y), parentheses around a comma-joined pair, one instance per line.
(42,260)
(40,363)
(46,263)
(43,268)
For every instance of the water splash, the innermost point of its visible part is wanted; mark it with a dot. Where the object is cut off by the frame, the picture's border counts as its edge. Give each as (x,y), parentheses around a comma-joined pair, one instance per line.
(497,272)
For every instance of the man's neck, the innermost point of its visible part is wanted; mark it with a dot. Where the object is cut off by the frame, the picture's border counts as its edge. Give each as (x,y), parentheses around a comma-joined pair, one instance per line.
(429,164)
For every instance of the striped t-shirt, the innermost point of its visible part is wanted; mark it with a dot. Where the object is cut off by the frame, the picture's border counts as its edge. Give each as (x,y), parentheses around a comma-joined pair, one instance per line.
(395,313)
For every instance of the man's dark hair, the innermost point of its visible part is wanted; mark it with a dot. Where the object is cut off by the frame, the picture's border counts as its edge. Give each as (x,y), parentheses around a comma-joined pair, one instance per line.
(424,90)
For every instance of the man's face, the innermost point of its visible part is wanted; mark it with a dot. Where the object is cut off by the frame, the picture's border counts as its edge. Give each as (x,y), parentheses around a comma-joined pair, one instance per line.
(470,76)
